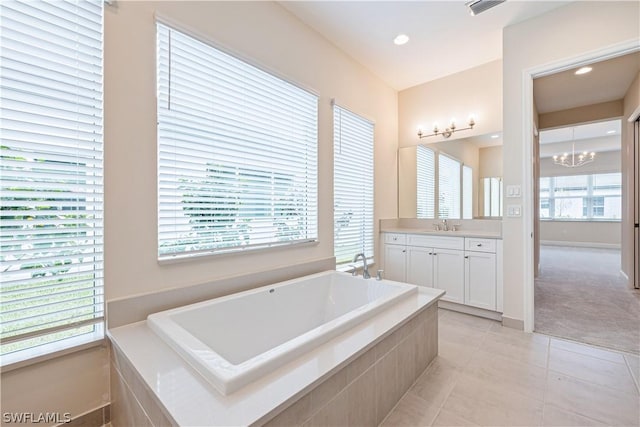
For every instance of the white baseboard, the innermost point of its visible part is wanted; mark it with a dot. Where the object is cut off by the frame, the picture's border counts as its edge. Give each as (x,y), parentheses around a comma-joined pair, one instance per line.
(580,244)
(493,315)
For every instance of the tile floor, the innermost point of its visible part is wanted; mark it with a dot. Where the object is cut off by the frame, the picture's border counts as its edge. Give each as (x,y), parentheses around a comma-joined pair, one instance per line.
(486,374)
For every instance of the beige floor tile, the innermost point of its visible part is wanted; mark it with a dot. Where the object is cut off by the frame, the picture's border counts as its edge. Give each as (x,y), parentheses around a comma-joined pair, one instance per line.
(458,355)
(449,419)
(591,400)
(633,362)
(411,411)
(588,350)
(557,417)
(488,403)
(437,382)
(591,369)
(525,348)
(523,378)
(460,334)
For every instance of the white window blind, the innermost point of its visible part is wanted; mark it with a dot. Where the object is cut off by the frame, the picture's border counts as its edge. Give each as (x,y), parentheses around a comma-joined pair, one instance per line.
(467,192)
(448,187)
(51,176)
(352,185)
(426,182)
(237,146)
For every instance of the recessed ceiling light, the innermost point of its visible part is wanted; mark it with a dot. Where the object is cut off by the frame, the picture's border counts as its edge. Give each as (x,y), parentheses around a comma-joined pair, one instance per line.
(496,136)
(583,70)
(401,39)
(610,132)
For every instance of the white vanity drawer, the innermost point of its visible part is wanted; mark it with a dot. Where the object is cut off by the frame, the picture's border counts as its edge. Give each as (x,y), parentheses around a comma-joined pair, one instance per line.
(442,242)
(395,238)
(480,245)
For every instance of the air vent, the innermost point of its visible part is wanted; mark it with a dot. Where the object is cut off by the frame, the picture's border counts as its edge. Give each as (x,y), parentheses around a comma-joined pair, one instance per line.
(478,6)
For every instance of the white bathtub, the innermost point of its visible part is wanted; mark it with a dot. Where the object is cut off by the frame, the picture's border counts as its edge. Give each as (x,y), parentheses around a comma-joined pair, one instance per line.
(234,340)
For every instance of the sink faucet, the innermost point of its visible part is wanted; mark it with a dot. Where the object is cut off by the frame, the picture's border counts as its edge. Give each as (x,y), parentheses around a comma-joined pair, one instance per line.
(365,269)
(445,226)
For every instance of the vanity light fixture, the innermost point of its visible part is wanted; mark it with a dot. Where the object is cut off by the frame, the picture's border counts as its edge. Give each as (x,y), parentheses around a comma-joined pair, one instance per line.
(448,131)
(401,39)
(583,70)
(573,160)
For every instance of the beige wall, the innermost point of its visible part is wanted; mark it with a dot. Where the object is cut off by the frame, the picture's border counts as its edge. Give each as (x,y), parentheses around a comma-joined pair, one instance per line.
(76,383)
(573,30)
(272,38)
(475,91)
(631,103)
(490,159)
(581,233)
(586,114)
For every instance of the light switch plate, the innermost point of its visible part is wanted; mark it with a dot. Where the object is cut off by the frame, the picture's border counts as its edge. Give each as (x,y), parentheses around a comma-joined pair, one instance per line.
(513,191)
(514,210)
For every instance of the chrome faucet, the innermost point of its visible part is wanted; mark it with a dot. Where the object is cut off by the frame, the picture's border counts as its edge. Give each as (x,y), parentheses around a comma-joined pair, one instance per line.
(365,268)
(445,226)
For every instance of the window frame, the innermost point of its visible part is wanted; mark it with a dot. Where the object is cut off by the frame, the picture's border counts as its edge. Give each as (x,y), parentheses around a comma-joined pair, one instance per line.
(68,229)
(587,199)
(366,214)
(245,177)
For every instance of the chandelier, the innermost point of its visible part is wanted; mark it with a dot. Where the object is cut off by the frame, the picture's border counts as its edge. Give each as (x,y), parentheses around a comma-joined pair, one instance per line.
(574,160)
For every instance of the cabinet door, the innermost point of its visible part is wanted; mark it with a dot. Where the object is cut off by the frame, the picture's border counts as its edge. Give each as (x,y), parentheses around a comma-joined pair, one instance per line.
(395,262)
(480,280)
(448,268)
(420,266)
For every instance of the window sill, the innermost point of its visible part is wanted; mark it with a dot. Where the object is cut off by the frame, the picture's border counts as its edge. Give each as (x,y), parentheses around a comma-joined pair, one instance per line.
(31,356)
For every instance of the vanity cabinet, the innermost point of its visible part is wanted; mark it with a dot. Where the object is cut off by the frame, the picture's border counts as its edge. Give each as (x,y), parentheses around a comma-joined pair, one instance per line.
(466,268)
(480,275)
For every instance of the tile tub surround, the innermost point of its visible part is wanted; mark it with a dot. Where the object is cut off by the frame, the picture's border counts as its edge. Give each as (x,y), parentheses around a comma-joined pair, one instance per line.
(387,349)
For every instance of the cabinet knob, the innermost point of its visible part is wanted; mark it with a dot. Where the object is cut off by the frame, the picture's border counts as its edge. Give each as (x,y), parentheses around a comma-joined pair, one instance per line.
(404,250)
(466,256)
(430,253)
(479,244)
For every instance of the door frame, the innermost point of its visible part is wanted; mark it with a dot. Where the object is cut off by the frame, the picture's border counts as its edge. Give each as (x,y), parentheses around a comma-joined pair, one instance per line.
(612,51)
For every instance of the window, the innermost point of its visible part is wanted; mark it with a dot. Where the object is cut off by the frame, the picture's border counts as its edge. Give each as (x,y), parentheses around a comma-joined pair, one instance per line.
(448,187)
(426,183)
(467,192)
(237,149)
(454,186)
(352,185)
(584,197)
(492,194)
(51,233)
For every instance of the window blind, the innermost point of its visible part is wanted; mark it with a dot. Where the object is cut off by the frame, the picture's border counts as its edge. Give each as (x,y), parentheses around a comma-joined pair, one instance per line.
(352,185)
(467,192)
(51,175)
(237,152)
(426,182)
(448,187)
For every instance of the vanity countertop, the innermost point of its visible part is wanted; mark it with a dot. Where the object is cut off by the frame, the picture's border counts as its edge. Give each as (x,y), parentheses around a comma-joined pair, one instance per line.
(458,233)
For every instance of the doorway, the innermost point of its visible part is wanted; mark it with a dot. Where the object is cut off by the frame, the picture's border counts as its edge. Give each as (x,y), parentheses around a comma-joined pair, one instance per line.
(581,291)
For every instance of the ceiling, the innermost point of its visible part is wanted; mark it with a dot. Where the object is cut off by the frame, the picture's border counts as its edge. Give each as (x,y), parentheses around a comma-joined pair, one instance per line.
(608,81)
(444,37)
(597,137)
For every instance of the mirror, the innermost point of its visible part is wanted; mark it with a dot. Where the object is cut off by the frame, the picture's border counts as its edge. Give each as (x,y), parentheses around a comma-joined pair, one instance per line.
(452,167)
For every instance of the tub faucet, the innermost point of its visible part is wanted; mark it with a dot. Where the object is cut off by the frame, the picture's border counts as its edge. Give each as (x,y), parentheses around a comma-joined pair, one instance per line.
(365,268)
